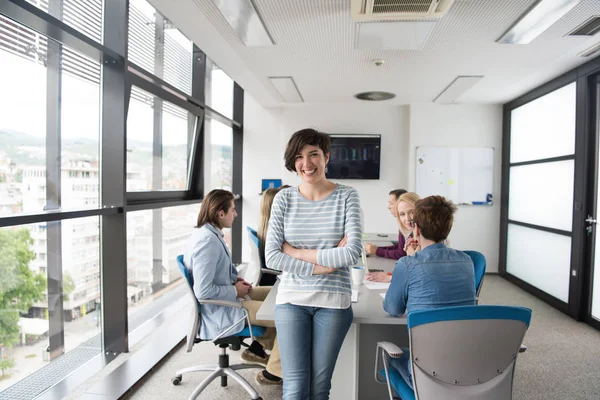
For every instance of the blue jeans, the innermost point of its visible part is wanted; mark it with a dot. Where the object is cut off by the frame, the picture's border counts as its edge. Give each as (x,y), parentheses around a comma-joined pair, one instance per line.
(402,365)
(310,339)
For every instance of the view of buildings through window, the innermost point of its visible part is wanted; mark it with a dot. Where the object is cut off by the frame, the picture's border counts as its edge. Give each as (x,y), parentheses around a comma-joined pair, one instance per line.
(154,237)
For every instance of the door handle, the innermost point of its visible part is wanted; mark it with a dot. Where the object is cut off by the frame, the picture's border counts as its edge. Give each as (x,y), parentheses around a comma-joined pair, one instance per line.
(590,220)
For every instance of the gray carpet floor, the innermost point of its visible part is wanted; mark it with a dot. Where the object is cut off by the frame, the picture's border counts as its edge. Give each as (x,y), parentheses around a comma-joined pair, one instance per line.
(562,360)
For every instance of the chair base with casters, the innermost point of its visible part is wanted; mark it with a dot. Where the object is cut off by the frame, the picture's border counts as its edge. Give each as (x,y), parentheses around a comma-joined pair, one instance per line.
(235,341)
(223,369)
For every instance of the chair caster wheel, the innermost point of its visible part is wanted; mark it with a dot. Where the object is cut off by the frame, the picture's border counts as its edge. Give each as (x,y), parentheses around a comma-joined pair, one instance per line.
(260,398)
(176,381)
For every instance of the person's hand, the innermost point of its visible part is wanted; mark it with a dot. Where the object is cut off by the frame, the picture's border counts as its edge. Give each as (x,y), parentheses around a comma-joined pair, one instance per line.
(321,270)
(242,288)
(411,246)
(411,242)
(371,248)
(288,249)
(343,242)
(379,277)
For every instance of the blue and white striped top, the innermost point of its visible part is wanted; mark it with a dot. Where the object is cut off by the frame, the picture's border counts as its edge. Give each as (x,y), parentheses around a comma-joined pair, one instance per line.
(321,224)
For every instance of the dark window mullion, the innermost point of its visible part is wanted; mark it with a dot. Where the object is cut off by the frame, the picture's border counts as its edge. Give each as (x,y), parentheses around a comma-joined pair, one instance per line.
(543,160)
(237,171)
(54,271)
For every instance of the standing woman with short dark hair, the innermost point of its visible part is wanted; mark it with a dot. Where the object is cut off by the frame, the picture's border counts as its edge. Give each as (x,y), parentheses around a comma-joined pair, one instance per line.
(313,311)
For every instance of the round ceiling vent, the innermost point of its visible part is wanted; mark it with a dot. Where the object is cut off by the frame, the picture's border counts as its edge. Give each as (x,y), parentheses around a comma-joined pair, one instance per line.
(375,96)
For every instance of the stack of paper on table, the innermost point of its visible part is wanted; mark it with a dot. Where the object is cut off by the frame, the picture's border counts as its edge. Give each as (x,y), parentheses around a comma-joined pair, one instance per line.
(377,285)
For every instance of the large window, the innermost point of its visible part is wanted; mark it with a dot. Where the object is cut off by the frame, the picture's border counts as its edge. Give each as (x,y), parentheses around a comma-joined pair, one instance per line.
(83,15)
(541,187)
(219,137)
(33,258)
(30,70)
(158,47)
(159,139)
(154,240)
(101,180)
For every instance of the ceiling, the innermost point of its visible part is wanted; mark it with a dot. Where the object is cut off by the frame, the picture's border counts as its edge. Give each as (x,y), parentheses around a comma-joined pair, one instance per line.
(314,43)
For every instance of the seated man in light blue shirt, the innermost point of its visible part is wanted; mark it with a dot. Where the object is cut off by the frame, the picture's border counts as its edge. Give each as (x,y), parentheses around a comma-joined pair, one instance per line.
(436,276)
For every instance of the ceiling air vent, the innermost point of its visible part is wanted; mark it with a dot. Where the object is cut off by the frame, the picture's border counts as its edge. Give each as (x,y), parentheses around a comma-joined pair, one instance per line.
(588,28)
(397,10)
(375,96)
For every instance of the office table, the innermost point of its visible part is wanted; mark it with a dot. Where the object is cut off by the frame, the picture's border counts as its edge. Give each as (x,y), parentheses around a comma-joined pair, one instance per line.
(353,376)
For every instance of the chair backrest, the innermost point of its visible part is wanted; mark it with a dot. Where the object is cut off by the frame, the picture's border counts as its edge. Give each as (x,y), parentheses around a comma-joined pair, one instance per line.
(466,352)
(195,317)
(253,271)
(480,264)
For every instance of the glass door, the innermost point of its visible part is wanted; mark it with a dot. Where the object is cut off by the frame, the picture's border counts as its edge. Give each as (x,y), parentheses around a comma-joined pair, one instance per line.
(592,221)
(541,182)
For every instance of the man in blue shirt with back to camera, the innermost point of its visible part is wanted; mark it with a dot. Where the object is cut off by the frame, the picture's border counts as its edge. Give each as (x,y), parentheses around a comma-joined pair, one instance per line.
(434,277)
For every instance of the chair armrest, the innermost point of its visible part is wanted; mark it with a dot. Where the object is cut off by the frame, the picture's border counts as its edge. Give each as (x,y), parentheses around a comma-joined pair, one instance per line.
(221,303)
(270,271)
(391,349)
(523,349)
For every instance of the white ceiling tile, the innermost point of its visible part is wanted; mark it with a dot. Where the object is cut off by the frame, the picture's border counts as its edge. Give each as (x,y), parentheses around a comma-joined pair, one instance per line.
(315,44)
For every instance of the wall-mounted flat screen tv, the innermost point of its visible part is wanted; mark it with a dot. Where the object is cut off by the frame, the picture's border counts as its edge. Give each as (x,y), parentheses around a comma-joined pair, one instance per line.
(354,157)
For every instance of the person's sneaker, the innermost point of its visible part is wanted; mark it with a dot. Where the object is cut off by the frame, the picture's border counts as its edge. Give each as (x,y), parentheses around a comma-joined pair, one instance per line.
(250,358)
(261,379)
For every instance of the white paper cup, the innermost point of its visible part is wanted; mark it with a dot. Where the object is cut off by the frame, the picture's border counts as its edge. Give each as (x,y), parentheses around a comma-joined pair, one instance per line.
(358,274)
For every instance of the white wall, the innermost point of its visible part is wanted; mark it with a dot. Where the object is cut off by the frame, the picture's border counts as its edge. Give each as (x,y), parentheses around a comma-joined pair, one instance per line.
(391,122)
(263,158)
(402,128)
(475,227)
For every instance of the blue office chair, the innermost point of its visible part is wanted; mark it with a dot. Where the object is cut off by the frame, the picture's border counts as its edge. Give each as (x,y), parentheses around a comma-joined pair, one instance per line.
(222,369)
(257,272)
(458,353)
(480,264)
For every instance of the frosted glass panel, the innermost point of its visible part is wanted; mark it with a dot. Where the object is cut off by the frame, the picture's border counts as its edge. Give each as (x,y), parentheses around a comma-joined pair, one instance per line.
(542,194)
(540,258)
(596,287)
(544,127)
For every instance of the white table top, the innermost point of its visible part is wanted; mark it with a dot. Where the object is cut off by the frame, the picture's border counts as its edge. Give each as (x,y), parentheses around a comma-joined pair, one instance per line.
(379,237)
(368,309)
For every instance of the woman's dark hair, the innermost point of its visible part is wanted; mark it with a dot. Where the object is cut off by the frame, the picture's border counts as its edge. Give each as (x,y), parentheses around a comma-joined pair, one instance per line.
(215,201)
(301,139)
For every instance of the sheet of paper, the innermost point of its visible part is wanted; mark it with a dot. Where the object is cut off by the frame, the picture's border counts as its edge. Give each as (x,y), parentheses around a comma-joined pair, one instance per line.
(382,294)
(354,297)
(377,285)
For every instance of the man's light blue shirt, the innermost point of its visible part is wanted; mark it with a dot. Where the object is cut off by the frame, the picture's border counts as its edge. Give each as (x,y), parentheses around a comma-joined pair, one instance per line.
(436,276)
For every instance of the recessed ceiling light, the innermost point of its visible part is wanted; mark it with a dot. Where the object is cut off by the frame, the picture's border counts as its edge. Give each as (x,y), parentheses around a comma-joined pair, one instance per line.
(287,88)
(536,20)
(245,22)
(456,89)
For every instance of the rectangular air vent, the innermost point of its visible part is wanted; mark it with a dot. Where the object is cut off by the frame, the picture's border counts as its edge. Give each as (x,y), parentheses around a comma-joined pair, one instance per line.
(398,10)
(402,6)
(588,28)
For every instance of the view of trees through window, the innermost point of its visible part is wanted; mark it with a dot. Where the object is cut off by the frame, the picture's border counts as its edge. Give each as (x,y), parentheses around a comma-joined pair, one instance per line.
(45,167)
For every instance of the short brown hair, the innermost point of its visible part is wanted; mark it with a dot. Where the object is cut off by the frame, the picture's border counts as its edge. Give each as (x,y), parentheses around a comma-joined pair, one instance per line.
(216,200)
(397,192)
(434,216)
(301,139)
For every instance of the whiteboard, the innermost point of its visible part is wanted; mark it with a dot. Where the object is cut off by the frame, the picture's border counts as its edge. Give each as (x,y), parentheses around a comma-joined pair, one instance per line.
(463,175)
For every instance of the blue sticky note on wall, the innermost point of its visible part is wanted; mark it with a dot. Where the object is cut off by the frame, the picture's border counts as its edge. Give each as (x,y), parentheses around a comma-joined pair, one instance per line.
(270,183)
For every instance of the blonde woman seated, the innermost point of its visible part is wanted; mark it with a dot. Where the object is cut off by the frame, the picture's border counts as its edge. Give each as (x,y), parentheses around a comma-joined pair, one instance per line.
(407,242)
